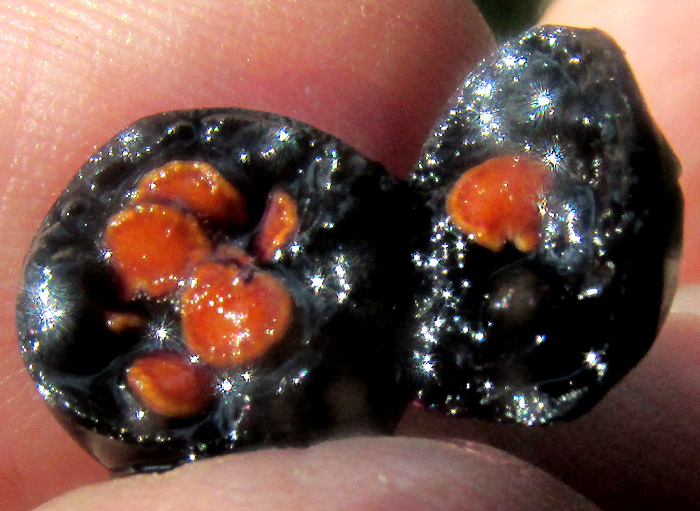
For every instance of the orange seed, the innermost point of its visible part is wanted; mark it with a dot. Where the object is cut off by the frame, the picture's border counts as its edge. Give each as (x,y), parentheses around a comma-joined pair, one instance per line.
(499,201)
(154,247)
(197,187)
(233,315)
(170,385)
(120,322)
(280,222)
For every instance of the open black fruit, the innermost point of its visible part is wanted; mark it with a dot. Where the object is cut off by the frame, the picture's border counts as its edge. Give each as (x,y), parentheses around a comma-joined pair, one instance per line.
(215,280)
(554,234)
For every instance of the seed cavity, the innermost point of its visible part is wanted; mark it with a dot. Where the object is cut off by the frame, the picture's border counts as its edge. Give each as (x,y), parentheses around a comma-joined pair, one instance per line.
(169,385)
(154,248)
(500,201)
(231,315)
(196,187)
(279,224)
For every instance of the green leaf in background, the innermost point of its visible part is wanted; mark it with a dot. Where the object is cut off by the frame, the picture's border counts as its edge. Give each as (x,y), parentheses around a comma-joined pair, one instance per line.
(507,18)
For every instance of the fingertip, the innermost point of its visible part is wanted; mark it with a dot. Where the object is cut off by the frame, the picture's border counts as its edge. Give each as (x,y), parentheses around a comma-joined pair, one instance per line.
(373,474)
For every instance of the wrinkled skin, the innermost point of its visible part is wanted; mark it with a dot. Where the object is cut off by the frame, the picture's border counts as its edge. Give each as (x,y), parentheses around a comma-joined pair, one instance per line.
(374,74)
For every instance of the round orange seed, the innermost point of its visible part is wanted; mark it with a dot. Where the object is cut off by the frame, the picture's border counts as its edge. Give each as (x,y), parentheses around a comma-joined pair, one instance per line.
(196,187)
(232,315)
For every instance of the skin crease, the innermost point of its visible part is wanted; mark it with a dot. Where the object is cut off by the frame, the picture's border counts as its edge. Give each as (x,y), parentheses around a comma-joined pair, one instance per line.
(375,76)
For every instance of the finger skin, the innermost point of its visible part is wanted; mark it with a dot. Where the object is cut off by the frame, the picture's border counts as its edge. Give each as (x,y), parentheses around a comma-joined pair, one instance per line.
(374,73)
(661,43)
(370,474)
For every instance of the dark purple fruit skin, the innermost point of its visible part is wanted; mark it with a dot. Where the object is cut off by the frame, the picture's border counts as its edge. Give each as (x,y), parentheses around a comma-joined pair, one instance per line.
(533,337)
(333,373)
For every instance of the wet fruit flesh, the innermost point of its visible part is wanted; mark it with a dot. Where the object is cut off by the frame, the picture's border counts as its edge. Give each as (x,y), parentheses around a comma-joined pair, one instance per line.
(500,201)
(170,385)
(153,248)
(231,316)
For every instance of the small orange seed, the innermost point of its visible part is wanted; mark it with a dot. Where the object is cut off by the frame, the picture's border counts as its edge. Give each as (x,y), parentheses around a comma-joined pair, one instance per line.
(279,223)
(169,385)
(153,248)
(196,187)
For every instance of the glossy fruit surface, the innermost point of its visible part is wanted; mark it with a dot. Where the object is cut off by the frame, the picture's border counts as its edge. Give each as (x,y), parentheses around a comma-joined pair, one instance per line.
(556,219)
(215,280)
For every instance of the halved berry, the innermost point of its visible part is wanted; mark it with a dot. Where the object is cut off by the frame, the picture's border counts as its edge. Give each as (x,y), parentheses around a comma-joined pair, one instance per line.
(236,287)
(222,279)
(556,213)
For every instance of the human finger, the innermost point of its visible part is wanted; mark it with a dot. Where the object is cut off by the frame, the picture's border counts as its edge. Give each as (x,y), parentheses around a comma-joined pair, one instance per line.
(373,474)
